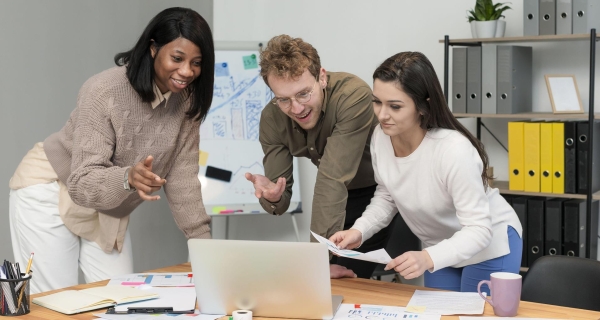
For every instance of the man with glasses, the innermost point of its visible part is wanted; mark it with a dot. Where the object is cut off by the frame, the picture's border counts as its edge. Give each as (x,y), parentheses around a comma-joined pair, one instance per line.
(327,117)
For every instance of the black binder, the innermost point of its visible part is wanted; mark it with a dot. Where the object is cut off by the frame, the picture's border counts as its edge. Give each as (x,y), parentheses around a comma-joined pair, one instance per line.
(574,228)
(535,228)
(570,157)
(520,206)
(554,223)
(583,148)
(509,198)
(592,231)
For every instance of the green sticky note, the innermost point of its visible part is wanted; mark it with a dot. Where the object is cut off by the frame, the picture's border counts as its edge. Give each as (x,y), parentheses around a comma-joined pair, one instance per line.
(250,62)
(216,210)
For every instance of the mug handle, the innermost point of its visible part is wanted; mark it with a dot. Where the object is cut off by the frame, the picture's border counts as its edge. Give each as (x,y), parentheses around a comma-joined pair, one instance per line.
(489,284)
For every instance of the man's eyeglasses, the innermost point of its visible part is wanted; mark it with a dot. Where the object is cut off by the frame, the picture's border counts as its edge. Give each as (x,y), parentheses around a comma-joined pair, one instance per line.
(301,97)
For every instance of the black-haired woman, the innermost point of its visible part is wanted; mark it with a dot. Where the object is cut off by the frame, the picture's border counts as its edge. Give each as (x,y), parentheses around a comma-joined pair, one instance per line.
(134,131)
(433,171)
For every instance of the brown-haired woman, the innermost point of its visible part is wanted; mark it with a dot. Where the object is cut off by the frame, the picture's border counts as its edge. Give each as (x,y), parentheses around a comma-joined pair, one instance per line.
(433,171)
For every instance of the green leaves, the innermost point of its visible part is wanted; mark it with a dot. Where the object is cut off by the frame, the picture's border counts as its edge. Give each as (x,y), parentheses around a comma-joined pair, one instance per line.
(485,10)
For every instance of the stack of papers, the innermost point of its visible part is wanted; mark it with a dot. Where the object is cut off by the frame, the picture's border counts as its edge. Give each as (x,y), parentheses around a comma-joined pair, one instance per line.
(447,303)
(196,316)
(377,256)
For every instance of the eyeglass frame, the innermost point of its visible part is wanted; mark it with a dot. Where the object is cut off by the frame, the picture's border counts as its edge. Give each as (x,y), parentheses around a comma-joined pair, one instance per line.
(274,100)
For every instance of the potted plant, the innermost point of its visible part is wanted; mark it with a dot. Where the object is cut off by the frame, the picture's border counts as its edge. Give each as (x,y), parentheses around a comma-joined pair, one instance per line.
(484,19)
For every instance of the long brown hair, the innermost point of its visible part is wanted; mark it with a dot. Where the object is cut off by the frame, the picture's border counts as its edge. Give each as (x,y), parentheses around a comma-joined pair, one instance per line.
(414,73)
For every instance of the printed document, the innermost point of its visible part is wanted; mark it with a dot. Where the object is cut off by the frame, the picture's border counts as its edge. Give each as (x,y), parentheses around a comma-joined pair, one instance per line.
(447,303)
(370,311)
(377,256)
(154,279)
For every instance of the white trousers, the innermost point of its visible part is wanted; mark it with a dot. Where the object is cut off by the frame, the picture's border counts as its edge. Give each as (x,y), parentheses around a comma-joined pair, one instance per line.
(36,226)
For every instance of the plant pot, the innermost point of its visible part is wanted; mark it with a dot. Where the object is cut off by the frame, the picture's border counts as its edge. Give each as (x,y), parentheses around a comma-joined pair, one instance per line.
(473,29)
(500,27)
(485,29)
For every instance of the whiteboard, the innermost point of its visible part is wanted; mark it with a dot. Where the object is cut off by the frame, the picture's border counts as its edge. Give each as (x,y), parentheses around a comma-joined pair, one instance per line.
(229,141)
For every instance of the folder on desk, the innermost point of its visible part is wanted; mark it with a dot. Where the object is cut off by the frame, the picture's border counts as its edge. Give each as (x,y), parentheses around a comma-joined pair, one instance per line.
(554,224)
(474,80)
(564,16)
(570,157)
(546,157)
(520,206)
(516,167)
(459,80)
(514,79)
(535,228)
(558,157)
(574,228)
(488,78)
(531,133)
(547,17)
(531,11)
(583,149)
(586,16)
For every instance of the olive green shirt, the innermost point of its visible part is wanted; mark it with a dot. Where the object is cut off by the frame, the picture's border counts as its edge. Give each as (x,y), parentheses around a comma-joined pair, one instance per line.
(338,145)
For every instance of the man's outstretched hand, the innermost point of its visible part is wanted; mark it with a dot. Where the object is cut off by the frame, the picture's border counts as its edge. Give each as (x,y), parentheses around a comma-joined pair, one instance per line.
(265,188)
(336,271)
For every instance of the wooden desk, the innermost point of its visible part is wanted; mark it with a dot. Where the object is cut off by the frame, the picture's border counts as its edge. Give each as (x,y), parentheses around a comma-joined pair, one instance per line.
(354,291)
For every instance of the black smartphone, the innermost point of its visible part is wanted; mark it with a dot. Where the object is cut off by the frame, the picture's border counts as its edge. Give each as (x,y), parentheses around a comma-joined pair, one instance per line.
(219,174)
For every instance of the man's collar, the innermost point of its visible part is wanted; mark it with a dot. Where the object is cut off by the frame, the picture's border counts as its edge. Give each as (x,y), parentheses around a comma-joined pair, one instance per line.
(158,96)
(325,95)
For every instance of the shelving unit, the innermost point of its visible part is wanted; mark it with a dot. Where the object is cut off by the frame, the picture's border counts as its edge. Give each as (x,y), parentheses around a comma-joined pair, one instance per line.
(590,116)
(530,115)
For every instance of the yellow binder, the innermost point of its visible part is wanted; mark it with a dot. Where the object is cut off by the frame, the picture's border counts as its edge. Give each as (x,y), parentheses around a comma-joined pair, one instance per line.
(516,166)
(558,157)
(531,142)
(546,157)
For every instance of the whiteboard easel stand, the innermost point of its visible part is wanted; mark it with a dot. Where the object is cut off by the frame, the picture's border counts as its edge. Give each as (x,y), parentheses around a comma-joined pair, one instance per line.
(292,214)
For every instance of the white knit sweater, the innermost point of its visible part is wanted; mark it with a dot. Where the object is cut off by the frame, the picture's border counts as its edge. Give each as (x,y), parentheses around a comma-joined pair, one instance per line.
(439,192)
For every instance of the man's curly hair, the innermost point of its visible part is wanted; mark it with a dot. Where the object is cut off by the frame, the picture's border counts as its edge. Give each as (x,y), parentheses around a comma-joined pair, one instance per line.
(288,57)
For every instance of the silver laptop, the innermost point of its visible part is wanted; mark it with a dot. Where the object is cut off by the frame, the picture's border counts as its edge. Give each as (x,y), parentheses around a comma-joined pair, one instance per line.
(273,279)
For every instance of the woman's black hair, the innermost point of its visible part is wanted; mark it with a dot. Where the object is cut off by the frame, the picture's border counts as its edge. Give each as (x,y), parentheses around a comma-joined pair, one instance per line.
(415,75)
(168,25)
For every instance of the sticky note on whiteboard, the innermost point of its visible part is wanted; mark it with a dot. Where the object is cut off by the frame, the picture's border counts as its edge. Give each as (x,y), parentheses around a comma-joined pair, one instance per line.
(221,69)
(250,62)
(203,158)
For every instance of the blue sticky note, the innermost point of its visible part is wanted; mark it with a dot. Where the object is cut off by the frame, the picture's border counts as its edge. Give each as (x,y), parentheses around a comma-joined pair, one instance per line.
(250,62)
(221,69)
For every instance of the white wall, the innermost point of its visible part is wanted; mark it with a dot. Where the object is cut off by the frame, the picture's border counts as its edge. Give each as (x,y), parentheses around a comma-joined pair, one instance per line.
(356,35)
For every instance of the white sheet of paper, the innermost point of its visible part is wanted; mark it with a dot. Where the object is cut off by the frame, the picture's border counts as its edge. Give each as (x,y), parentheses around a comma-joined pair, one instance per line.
(448,303)
(180,298)
(496,318)
(195,316)
(377,256)
(370,311)
(179,279)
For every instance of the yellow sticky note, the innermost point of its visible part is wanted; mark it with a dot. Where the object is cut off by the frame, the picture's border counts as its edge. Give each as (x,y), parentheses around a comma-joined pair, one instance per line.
(203,158)
(415,309)
(217,210)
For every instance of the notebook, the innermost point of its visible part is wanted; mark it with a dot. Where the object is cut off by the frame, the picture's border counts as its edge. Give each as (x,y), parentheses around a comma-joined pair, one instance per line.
(75,301)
